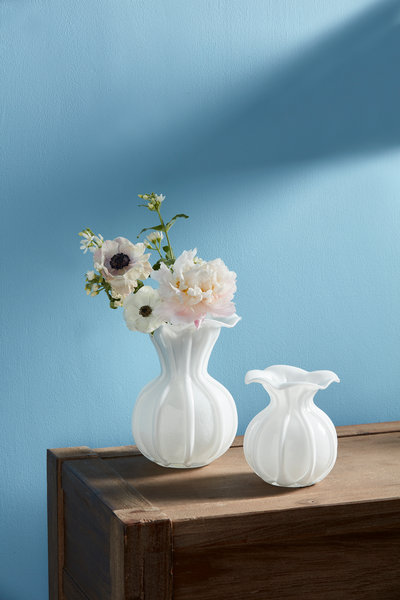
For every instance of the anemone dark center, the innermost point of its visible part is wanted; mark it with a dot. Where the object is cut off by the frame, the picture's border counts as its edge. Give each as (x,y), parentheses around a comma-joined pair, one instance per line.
(119,261)
(145,311)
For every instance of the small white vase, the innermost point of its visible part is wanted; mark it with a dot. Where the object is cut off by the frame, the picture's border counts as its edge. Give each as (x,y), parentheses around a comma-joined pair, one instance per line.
(291,443)
(184,418)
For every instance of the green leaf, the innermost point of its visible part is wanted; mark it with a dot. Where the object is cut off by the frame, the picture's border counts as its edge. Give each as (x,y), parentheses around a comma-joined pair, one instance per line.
(172,221)
(140,284)
(167,261)
(168,252)
(156,228)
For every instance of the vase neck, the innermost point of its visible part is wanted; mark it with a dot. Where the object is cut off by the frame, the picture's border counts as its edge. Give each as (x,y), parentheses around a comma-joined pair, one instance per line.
(292,398)
(184,351)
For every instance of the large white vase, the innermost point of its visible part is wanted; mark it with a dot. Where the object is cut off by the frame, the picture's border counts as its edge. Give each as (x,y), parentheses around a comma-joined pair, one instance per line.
(184,418)
(291,443)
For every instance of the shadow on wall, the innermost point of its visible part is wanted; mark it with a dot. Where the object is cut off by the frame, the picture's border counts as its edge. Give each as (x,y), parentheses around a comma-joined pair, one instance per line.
(342,97)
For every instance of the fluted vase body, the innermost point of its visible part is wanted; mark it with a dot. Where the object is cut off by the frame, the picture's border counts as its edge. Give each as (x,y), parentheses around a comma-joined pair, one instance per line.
(184,418)
(291,443)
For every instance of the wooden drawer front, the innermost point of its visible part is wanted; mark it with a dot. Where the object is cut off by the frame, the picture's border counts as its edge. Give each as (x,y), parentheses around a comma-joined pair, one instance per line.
(364,566)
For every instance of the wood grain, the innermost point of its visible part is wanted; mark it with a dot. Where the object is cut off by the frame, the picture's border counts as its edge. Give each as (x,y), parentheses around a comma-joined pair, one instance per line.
(148,557)
(257,528)
(118,546)
(117,558)
(71,589)
(118,451)
(367,469)
(368,429)
(87,541)
(363,566)
(55,516)
(100,480)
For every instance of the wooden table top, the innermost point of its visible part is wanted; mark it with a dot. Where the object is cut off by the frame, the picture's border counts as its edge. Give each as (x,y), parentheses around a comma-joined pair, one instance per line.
(367,469)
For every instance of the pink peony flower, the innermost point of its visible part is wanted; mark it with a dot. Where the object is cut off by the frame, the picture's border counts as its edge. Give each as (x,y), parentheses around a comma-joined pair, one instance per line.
(194,289)
(122,263)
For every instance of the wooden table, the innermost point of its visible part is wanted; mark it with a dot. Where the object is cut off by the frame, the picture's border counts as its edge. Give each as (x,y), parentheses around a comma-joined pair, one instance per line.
(124,528)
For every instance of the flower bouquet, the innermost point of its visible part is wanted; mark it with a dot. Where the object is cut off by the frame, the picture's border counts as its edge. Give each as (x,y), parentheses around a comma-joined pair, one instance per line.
(184,418)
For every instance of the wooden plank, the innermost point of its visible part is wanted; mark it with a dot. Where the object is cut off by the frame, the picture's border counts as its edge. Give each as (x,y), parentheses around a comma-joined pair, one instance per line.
(118,451)
(55,518)
(87,539)
(363,566)
(368,429)
(102,481)
(117,559)
(71,589)
(348,430)
(366,469)
(148,557)
(265,527)
(111,527)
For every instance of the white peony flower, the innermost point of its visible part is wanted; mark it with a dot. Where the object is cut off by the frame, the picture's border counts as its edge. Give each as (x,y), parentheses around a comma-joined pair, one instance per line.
(194,289)
(122,263)
(139,310)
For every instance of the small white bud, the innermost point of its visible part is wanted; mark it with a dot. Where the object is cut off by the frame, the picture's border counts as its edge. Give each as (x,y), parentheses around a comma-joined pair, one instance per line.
(115,294)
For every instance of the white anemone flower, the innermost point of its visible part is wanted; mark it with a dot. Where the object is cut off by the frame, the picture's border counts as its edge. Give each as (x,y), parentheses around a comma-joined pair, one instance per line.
(122,263)
(138,310)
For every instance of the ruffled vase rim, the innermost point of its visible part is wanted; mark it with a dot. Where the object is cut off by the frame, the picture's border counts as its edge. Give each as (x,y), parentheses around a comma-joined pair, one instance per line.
(281,377)
(209,321)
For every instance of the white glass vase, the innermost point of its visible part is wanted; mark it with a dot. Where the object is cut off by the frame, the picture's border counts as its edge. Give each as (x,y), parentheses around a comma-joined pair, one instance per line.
(184,418)
(291,443)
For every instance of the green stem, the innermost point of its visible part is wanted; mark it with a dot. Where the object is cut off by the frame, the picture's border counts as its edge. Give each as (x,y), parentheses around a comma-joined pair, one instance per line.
(166,234)
(111,299)
(158,250)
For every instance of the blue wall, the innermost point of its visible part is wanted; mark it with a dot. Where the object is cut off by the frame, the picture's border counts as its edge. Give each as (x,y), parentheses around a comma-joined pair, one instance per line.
(275,125)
